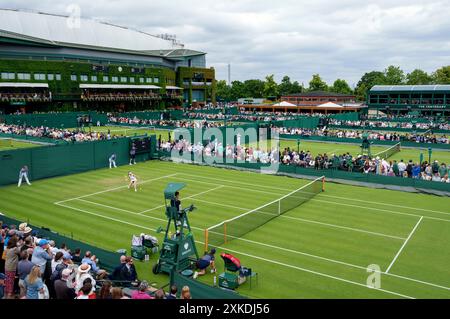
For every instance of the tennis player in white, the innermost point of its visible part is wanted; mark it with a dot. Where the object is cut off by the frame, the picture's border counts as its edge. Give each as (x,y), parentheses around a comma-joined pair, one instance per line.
(133,181)
(23,174)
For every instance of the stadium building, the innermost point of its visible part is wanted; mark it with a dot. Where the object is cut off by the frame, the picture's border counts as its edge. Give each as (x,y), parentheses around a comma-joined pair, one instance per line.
(402,99)
(51,62)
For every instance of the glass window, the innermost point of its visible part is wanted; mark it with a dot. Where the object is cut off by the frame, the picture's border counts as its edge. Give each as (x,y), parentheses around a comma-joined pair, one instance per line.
(50,77)
(58,77)
(105,78)
(131,80)
(123,79)
(23,76)
(73,77)
(156,80)
(115,79)
(148,80)
(141,80)
(93,78)
(39,76)
(83,78)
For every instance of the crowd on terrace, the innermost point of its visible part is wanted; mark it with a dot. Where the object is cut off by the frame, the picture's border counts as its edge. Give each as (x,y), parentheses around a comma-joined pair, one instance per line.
(372,135)
(55,133)
(33,267)
(394,125)
(164,123)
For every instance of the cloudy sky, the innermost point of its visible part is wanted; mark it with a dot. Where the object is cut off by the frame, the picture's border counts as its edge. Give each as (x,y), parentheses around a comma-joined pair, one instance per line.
(337,39)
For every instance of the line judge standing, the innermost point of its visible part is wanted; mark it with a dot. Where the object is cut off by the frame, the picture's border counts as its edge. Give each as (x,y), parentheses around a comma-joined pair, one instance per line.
(23,174)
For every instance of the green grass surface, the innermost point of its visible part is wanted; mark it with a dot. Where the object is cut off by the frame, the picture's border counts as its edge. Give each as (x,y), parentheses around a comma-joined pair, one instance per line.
(318,250)
(10,144)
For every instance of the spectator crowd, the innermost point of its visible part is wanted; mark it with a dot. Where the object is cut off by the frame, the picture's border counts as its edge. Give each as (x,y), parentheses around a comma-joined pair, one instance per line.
(33,267)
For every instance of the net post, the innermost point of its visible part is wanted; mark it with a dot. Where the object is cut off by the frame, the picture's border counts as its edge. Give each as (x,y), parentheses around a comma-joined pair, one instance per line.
(323,183)
(225,233)
(206,239)
(279,207)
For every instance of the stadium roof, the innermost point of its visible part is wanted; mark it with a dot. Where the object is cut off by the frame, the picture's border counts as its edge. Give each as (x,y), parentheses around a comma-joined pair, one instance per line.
(408,88)
(23,85)
(319,93)
(59,30)
(117,86)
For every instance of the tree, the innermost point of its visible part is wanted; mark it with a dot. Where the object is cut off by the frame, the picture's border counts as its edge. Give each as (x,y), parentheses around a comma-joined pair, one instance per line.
(341,86)
(367,81)
(442,75)
(418,77)
(270,87)
(317,84)
(223,91)
(394,75)
(296,88)
(237,90)
(253,88)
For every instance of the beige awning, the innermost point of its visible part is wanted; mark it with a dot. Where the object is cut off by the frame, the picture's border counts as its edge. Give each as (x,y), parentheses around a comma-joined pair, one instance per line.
(23,85)
(118,86)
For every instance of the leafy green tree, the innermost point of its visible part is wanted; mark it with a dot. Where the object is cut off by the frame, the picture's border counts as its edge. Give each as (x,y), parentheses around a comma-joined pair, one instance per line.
(341,86)
(368,80)
(442,75)
(237,90)
(317,84)
(253,88)
(418,77)
(270,87)
(223,91)
(394,75)
(296,88)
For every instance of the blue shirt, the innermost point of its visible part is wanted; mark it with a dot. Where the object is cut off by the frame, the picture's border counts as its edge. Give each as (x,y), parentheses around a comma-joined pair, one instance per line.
(33,289)
(90,262)
(40,257)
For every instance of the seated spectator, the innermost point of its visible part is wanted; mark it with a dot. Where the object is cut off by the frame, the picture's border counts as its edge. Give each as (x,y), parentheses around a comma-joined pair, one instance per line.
(92,261)
(105,291)
(173,292)
(185,293)
(76,257)
(204,262)
(87,291)
(141,293)
(62,289)
(117,293)
(66,263)
(83,272)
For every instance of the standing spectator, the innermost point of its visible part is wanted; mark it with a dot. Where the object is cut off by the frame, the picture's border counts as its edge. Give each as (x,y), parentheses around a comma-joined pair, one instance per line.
(159,294)
(23,174)
(2,285)
(82,275)
(11,260)
(115,275)
(128,271)
(24,268)
(395,168)
(76,257)
(62,290)
(401,168)
(443,170)
(57,259)
(41,254)
(409,168)
(34,284)
(416,171)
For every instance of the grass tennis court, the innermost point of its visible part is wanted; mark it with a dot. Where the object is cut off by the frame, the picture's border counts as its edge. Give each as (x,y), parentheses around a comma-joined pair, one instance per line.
(320,249)
(7,144)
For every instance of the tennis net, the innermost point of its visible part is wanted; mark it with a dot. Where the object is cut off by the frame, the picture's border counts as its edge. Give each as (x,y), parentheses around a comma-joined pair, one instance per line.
(389,152)
(238,226)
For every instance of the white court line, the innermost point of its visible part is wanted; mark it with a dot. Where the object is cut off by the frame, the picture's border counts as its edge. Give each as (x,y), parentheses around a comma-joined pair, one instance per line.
(279,248)
(325,195)
(307,221)
(113,189)
(404,244)
(245,254)
(192,196)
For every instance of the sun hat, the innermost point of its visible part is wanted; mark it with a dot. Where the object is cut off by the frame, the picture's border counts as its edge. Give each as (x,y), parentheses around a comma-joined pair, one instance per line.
(27,230)
(84,268)
(22,226)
